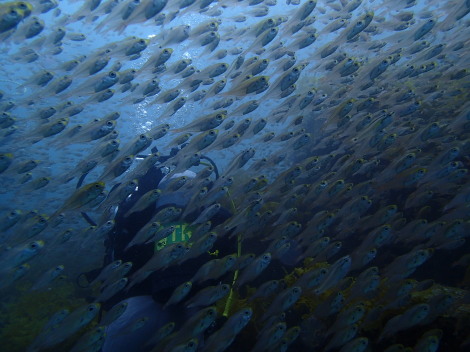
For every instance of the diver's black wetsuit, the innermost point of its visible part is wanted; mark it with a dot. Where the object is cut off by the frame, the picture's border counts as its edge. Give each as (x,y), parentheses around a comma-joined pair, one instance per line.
(126,227)
(161,283)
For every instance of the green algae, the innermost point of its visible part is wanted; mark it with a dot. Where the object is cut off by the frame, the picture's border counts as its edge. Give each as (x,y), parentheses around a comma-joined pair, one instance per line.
(24,314)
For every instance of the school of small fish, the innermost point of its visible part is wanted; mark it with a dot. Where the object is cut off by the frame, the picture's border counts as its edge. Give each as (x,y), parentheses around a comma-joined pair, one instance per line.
(340,133)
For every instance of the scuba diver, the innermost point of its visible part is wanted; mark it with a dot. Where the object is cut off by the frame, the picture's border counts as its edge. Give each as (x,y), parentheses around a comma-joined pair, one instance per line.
(146,299)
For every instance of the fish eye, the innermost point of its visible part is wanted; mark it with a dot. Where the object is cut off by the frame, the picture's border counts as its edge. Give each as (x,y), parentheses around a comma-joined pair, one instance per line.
(112,75)
(270,21)
(128,158)
(359,23)
(141,41)
(13,12)
(33,245)
(295,70)
(91,308)
(211,133)
(142,137)
(109,123)
(42,220)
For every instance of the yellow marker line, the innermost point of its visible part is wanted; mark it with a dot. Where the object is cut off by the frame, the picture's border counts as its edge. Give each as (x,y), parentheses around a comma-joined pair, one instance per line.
(228,304)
